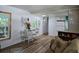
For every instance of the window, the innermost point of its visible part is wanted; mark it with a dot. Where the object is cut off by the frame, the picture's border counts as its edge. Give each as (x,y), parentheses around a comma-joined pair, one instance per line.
(62,23)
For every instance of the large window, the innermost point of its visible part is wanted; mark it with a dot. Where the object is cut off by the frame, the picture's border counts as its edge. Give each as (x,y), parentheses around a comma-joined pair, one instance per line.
(5,25)
(35,24)
(62,23)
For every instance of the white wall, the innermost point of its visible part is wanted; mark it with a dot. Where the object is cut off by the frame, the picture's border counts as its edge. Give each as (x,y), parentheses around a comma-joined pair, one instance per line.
(52,26)
(16,24)
(74,20)
(55,26)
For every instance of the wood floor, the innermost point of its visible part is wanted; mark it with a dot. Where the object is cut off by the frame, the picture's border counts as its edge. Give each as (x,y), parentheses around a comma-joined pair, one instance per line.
(39,45)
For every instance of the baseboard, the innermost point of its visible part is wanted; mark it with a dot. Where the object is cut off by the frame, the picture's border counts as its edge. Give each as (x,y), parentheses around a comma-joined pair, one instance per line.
(11,45)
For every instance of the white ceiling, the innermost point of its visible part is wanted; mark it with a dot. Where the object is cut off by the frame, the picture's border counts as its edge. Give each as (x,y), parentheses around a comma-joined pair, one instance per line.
(42,8)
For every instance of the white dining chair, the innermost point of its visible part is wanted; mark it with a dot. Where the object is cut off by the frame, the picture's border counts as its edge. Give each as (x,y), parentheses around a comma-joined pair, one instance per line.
(26,35)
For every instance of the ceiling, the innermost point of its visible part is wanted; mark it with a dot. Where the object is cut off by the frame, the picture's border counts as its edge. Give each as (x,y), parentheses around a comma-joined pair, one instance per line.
(43,8)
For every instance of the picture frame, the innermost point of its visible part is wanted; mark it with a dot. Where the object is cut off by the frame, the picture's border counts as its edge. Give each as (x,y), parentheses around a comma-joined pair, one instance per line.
(5,25)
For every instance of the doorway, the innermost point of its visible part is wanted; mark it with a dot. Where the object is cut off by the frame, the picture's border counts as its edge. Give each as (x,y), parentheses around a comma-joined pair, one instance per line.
(45,25)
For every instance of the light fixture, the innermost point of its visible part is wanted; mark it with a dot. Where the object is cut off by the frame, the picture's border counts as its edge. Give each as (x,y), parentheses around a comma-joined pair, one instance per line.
(43,15)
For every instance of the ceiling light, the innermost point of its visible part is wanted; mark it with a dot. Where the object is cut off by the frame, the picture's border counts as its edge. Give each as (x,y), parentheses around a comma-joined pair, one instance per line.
(43,15)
